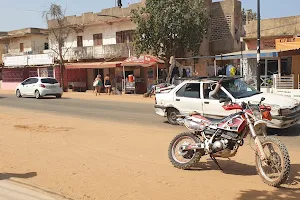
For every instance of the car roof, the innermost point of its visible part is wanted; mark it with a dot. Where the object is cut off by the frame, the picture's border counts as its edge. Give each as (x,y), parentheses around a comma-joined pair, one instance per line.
(208,79)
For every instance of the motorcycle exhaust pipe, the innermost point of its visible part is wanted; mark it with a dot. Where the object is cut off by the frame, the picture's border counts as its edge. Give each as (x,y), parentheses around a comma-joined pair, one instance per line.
(197,146)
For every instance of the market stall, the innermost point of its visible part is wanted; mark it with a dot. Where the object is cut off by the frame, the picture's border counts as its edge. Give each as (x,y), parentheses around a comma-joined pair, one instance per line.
(139,73)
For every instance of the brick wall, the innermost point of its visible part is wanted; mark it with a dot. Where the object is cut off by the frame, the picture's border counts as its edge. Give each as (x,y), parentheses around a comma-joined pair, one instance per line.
(226,26)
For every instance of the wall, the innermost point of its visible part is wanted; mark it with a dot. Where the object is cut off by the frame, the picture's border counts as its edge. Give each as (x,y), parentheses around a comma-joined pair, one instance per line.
(31,43)
(226,26)
(296,69)
(1,52)
(273,27)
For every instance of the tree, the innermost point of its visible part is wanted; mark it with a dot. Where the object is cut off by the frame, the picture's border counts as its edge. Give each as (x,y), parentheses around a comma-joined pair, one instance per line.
(60,29)
(166,26)
(248,15)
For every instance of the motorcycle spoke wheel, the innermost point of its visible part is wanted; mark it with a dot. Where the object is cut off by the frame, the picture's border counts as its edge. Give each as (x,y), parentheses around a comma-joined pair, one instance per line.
(276,168)
(184,159)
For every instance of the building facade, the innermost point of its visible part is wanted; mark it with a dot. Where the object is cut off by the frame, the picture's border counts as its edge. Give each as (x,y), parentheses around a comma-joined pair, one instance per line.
(25,54)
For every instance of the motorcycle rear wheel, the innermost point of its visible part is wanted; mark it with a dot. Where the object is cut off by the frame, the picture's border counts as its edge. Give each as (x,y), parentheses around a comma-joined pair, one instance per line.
(190,157)
(277,161)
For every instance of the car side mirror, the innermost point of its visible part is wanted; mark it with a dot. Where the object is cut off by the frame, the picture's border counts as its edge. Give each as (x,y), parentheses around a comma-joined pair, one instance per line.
(222,100)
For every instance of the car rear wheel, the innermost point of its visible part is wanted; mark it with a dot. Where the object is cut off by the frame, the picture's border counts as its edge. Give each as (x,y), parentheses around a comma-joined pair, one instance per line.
(172,116)
(58,96)
(37,94)
(18,93)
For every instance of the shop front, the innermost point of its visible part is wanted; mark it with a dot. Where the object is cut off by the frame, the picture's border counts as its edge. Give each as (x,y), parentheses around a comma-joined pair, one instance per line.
(80,76)
(140,73)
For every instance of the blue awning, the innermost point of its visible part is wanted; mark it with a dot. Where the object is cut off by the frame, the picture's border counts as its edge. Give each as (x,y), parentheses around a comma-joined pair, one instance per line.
(248,54)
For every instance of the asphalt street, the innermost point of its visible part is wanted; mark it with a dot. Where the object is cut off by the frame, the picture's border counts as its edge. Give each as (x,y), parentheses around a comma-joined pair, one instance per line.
(133,113)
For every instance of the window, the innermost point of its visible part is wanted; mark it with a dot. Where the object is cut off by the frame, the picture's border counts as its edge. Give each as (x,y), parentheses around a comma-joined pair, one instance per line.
(46,46)
(124,36)
(79,41)
(27,81)
(21,47)
(190,90)
(49,80)
(98,40)
(34,80)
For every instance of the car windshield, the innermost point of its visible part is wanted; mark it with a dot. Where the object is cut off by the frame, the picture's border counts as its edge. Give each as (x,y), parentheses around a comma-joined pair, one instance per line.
(49,80)
(239,89)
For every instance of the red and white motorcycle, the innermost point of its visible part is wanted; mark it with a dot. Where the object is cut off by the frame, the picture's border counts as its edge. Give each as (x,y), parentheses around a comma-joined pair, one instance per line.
(222,138)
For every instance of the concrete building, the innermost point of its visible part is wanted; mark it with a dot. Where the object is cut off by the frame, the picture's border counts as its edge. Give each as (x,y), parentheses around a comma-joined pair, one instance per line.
(24,54)
(99,43)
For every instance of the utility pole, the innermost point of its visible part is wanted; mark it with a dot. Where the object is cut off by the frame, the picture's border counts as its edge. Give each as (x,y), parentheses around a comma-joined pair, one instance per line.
(258,46)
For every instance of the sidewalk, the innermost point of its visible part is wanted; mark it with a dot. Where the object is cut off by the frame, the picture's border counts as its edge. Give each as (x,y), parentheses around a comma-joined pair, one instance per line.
(89,95)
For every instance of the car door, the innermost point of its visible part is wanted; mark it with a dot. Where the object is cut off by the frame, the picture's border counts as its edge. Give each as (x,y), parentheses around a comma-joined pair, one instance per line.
(212,107)
(187,98)
(31,86)
(24,88)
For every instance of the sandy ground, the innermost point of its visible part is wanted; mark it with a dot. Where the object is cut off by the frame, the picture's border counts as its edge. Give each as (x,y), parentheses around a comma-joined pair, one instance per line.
(89,95)
(84,159)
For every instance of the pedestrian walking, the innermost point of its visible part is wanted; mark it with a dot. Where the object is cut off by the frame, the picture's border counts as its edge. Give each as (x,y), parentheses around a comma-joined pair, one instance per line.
(98,84)
(107,84)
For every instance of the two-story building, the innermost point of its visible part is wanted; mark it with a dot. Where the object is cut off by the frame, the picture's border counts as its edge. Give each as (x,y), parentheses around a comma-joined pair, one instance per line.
(98,44)
(23,55)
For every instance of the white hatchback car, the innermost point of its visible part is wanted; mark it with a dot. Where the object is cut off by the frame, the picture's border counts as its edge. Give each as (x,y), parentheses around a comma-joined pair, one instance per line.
(39,87)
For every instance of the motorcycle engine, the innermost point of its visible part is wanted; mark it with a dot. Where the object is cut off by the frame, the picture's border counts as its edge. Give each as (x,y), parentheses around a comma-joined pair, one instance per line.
(227,140)
(219,145)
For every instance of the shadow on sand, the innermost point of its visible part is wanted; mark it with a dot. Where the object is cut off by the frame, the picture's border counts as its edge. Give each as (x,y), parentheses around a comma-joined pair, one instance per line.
(4,176)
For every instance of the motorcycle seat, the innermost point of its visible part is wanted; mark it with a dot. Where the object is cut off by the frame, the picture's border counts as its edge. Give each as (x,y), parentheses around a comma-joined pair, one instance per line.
(215,120)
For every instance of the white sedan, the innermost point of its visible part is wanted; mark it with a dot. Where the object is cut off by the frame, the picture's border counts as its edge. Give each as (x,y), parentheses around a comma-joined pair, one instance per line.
(39,87)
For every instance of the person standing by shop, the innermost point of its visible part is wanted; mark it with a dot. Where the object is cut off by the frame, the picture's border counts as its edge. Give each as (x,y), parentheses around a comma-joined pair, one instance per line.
(107,84)
(98,84)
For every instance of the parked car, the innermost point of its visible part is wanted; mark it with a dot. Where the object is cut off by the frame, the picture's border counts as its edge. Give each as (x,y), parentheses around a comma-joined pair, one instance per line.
(39,87)
(193,95)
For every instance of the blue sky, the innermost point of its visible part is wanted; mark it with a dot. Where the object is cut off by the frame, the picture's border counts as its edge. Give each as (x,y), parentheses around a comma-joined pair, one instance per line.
(17,14)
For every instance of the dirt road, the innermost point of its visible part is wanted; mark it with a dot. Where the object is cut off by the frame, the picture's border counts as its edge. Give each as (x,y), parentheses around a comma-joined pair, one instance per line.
(93,159)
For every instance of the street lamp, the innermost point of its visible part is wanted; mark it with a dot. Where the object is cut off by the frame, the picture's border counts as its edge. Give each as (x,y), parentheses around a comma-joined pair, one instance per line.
(258,46)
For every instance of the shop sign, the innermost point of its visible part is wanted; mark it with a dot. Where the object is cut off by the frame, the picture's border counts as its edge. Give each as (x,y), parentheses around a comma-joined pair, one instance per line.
(37,59)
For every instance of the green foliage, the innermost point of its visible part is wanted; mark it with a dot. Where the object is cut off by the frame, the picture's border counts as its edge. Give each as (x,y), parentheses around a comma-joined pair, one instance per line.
(164,26)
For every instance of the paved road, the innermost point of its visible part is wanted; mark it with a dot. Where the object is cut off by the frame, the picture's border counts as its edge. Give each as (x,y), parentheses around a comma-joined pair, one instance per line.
(139,113)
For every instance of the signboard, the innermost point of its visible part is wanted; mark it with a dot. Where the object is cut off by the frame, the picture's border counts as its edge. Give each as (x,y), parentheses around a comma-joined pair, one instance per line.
(287,44)
(143,59)
(37,59)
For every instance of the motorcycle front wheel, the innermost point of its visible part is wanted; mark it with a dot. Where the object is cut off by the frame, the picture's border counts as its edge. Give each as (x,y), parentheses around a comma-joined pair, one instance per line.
(276,169)
(184,159)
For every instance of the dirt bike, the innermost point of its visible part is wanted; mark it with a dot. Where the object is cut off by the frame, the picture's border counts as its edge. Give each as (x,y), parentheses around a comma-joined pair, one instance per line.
(222,138)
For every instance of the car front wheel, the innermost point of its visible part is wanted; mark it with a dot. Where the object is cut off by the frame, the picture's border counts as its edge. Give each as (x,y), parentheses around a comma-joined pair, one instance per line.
(58,96)
(18,93)
(172,116)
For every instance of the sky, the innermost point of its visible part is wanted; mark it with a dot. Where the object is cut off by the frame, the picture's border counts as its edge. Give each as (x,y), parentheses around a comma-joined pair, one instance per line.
(18,14)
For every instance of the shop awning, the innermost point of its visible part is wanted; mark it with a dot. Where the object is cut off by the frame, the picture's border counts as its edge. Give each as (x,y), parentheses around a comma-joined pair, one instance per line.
(248,54)
(142,61)
(93,65)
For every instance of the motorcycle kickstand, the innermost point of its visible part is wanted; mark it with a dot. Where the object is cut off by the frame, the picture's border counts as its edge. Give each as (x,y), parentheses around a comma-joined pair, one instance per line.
(215,161)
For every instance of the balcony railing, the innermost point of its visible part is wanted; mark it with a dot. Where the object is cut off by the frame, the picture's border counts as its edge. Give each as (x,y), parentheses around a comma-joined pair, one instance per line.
(98,52)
